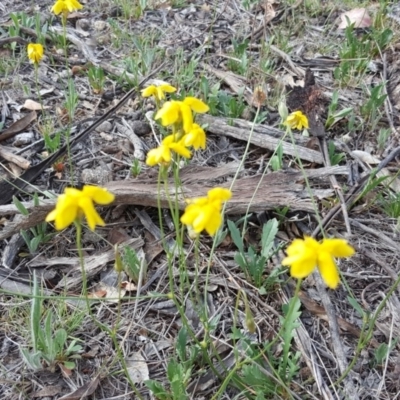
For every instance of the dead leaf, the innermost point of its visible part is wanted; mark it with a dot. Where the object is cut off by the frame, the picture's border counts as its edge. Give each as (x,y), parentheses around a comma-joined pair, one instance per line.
(111,293)
(84,391)
(43,92)
(48,391)
(357,16)
(65,371)
(97,294)
(33,105)
(18,126)
(137,368)
(128,286)
(366,157)
(269,11)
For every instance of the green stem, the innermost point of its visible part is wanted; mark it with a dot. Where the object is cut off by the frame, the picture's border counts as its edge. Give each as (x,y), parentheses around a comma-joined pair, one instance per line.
(363,341)
(111,332)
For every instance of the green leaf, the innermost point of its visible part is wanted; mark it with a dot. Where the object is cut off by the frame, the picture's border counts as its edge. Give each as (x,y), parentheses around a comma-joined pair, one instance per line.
(181,344)
(270,229)
(381,353)
(158,390)
(236,236)
(36,310)
(69,364)
(20,207)
(60,337)
(353,302)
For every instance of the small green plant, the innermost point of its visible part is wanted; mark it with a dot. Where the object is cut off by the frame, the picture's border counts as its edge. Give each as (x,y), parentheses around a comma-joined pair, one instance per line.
(71,99)
(370,109)
(210,94)
(51,137)
(383,136)
(390,204)
(239,63)
(230,106)
(277,159)
(49,348)
(383,351)
(136,168)
(134,264)
(36,235)
(335,158)
(357,52)
(333,115)
(252,263)
(96,79)
(179,370)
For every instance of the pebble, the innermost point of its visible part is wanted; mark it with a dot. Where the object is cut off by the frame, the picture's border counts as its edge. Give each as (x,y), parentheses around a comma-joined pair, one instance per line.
(98,176)
(22,139)
(105,126)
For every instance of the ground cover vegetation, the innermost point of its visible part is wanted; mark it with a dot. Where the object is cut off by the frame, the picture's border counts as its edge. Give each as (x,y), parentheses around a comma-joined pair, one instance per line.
(199,200)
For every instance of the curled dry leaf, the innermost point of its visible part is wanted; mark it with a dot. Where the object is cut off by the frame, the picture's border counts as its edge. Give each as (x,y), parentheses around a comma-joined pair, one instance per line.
(366,157)
(357,16)
(137,368)
(33,105)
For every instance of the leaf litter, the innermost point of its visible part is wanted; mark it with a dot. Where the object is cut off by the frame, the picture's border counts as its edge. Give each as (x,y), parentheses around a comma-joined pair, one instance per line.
(208,35)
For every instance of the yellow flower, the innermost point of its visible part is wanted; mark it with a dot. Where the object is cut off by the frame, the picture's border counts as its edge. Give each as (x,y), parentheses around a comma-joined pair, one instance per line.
(296,120)
(162,154)
(205,212)
(74,203)
(174,111)
(158,91)
(65,6)
(304,255)
(35,52)
(196,137)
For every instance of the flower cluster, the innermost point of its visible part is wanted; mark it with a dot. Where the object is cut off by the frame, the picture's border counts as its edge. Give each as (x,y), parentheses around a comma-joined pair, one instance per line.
(296,120)
(158,92)
(64,7)
(303,255)
(204,213)
(179,115)
(35,52)
(74,203)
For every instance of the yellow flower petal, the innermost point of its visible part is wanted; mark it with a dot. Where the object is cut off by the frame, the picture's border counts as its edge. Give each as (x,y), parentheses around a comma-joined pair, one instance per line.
(204,213)
(187,117)
(149,91)
(221,194)
(66,6)
(169,113)
(302,269)
(196,137)
(337,247)
(58,7)
(92,217)
(75,203)
(296,120)
(196,105)
(328,269)
(304,255)
(98,194)
(35,52)
(181,150)
(167,88)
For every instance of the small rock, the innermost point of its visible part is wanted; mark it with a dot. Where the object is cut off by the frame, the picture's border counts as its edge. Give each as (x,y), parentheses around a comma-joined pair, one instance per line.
(106,126)
(100,25)
(83,24)
(140,128)
(98,176)
(22,139)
